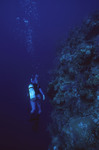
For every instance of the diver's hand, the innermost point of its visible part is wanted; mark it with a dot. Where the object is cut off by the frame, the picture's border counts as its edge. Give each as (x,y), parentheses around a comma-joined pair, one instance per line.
(43,97)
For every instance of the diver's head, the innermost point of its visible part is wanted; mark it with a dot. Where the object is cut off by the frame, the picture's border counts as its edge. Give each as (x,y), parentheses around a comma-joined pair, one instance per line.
(31,80)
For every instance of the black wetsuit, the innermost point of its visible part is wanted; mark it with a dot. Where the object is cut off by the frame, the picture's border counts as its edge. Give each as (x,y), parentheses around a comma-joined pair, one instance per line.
(36,88)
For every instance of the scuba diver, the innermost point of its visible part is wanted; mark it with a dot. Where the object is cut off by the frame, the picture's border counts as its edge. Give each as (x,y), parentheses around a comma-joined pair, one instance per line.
(35,93)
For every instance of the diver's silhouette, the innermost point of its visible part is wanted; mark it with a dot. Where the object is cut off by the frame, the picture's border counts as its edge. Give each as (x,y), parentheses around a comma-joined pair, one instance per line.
(35,93)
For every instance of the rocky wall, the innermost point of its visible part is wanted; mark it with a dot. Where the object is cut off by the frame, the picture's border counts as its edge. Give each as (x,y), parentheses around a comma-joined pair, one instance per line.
(74,90)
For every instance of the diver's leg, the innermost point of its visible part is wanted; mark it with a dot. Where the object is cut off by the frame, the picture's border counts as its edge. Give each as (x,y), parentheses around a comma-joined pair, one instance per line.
(39,107)
(32,106)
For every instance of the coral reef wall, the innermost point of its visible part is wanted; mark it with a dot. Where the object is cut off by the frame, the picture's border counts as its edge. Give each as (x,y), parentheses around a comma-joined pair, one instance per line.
(74,90)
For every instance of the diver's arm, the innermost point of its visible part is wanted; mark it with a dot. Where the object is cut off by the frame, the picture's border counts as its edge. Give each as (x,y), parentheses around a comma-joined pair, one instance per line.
(42,93)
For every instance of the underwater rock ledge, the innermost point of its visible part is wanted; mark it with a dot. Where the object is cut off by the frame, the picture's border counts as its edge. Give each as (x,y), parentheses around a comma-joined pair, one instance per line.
(74,90)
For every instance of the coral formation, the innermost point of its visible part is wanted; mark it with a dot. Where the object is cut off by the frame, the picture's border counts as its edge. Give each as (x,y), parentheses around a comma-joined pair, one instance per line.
(74,91)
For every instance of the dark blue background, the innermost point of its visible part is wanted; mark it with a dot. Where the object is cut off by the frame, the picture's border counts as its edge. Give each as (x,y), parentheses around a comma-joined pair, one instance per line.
(57,17)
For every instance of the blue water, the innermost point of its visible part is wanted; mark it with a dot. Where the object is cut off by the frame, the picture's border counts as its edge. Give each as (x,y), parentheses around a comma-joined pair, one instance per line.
(17,65)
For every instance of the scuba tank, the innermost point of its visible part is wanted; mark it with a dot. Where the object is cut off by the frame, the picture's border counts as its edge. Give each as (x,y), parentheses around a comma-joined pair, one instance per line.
(32,92)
